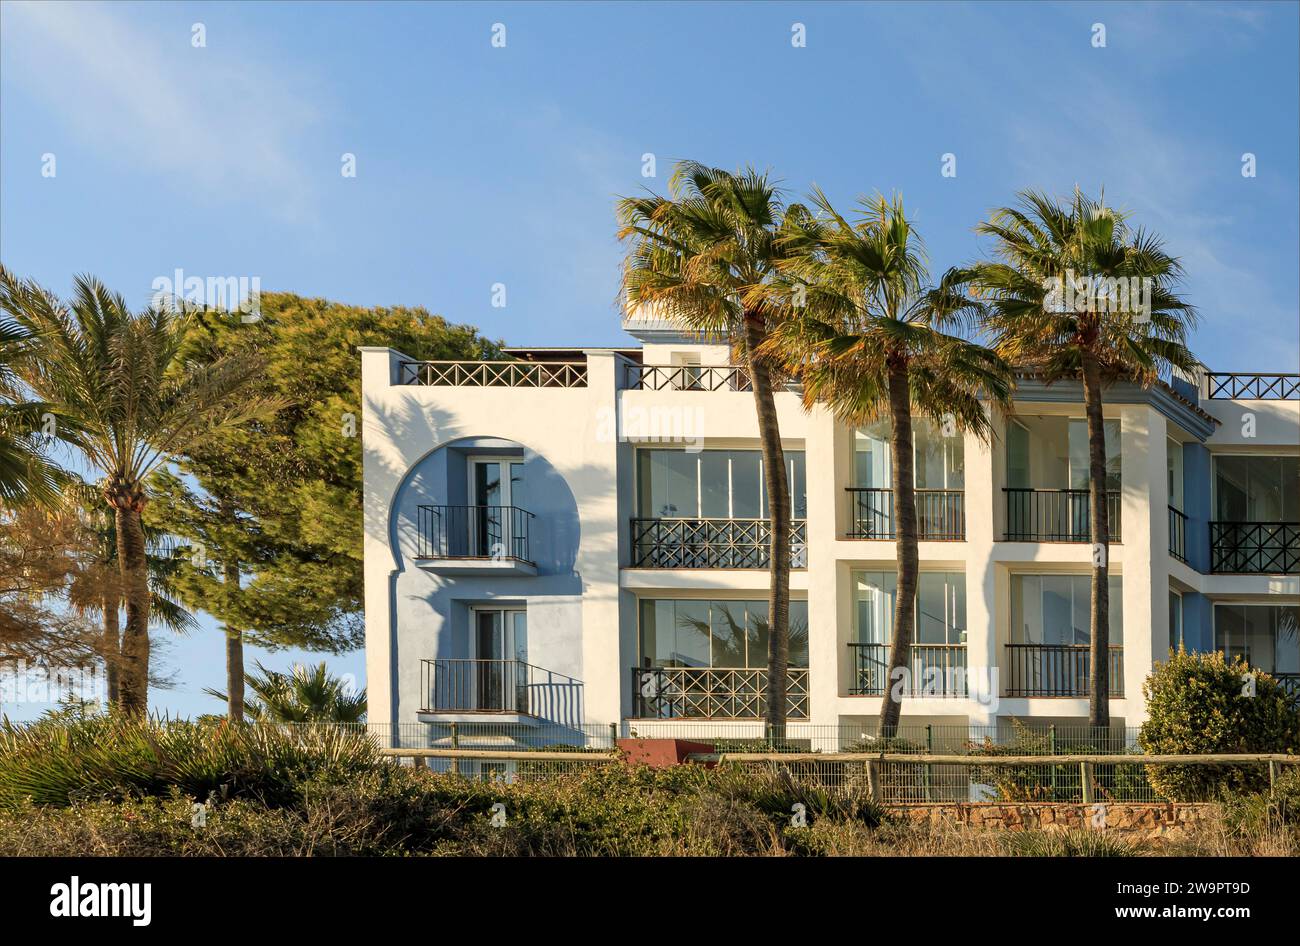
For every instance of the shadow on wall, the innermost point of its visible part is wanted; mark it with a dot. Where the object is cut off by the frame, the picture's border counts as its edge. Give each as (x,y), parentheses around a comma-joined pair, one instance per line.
(441,476)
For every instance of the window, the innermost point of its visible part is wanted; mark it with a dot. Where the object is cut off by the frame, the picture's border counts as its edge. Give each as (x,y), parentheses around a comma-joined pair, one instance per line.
(940,607)
(938,462)
(1055,609)
(1175,621)
(1265,636)
(1051,452)
(712,484)
(1174,467)
(1256,489)
(721,634)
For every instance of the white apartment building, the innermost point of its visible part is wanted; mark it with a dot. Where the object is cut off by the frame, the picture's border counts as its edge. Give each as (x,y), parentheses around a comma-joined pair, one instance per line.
(579,537)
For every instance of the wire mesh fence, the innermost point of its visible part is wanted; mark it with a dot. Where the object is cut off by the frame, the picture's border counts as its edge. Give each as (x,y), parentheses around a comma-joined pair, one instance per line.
(493,752)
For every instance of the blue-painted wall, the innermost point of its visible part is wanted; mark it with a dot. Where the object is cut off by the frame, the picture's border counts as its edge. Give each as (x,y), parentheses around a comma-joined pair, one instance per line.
(1196,500)
(1198,622)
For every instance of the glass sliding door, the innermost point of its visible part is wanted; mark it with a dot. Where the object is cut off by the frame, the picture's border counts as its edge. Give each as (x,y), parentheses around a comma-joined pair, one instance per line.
(495,486)
(500,659)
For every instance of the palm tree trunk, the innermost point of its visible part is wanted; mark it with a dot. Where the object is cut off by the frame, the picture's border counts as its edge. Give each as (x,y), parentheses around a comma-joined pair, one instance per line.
(778,506)
(234,656)
(127,501)
(111,647)
(905,539)
(1099,534)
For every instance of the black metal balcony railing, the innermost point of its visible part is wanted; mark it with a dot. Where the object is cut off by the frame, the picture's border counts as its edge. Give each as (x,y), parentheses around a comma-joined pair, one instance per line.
(936,670)
(1255,548)
(688,378)
(1290,683)
(711,543)
(1178,535)
(712,693)
(497,686)
(1055,515)
(1058,670)
(484,532)
(940,513)
(1258,387)
(494,374)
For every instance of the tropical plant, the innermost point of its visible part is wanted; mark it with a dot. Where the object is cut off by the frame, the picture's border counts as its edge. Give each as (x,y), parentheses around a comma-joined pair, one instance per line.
(26,472)
(118,374)
(303,695)
(867,340)
(1074,293)
(96,586)
(705,257)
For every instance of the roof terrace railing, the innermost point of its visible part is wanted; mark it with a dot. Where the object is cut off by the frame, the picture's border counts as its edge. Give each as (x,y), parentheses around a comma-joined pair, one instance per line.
(494,374)
(1258,387)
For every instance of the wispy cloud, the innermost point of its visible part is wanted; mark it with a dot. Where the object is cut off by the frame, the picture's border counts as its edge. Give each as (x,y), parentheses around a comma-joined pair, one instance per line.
(212,119)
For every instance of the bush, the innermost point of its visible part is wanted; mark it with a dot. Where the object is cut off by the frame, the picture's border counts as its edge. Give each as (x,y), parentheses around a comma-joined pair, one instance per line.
(59,761)
(1198,703)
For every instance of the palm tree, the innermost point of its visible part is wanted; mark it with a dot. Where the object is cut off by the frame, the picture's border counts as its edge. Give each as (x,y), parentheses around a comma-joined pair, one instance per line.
(25,471)
(96,586)
(868,342)
(303,695)
(705,257)
(1042,247)
(135,405)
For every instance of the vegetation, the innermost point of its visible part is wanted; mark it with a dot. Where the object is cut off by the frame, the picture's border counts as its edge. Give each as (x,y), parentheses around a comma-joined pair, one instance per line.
(303,695)
(1200,703)
(1043,252)
(117,786)
(133,403)
(706,257)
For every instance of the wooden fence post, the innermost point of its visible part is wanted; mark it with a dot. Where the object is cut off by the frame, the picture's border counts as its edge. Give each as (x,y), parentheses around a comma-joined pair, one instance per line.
(1085,773)
(455,744)
(873,780)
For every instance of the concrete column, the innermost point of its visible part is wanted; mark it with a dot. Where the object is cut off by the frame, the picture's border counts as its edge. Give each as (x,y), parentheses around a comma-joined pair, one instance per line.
(599,550)
(982,528)
(827,456)
(1145,550)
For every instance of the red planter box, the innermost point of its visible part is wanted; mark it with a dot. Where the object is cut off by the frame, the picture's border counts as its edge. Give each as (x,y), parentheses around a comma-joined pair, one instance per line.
(658,753)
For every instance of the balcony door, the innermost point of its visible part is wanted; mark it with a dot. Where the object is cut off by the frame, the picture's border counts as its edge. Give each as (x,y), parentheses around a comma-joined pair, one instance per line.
(495,485)
(500,652)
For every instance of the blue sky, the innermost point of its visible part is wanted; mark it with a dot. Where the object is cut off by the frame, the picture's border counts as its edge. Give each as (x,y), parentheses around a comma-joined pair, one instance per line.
(479,165)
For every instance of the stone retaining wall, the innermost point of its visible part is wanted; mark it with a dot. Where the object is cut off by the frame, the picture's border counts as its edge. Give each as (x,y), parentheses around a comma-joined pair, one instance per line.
(1151,820)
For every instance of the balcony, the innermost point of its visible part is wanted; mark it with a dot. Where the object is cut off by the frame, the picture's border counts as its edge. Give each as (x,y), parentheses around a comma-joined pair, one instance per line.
(718,693)
(474,540)
(1058,670)
(940,514)
(1255,548)
(494,374)
(711,543)
(937,670)
(688,378)
(1055,515)
(466,689)
(1257,387)
(1178,535)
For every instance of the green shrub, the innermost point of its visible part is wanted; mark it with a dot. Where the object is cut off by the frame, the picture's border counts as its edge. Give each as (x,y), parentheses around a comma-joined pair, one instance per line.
(1198,703)
(58,762)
